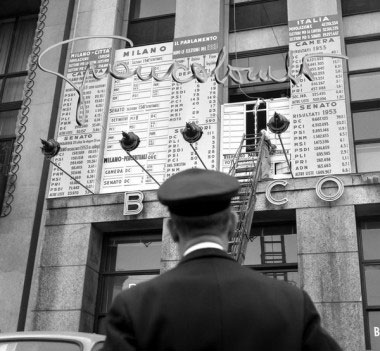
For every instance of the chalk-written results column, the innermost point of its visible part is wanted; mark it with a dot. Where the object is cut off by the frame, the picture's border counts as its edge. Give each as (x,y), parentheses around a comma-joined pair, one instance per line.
(140,105)
(319,118)
(193,102)
(80,144)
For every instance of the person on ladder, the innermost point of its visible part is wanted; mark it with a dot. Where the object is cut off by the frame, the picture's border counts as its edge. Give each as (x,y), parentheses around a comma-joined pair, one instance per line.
(268,150)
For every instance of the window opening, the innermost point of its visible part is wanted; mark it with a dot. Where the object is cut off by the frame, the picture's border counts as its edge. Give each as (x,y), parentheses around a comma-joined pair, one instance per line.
(364,79)
(151,22)
(369,242)
(126,262)
(273,251)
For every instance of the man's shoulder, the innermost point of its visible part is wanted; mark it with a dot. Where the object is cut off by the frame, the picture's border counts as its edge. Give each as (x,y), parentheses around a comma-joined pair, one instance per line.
(262,279)
(229,271)
(152,283)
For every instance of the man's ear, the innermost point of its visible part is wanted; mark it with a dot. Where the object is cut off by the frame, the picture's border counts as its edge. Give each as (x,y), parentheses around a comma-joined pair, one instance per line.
(173,230)
(232,225)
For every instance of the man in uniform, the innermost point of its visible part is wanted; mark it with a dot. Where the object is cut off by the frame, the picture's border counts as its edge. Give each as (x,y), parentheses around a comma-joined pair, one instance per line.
(209,301)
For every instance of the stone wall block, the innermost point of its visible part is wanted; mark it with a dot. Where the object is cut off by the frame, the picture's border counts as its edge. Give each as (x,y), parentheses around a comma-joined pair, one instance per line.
(331,277)
(169,247)
(94,214)
(96,5)
(66,245)
(196,17)
(56,320)
(86,322)
(345,322)
(54,14)
(61,288)
(100,22)
(95,249)
(11,284)
(245,41)
(327,229)
(89,292)
(364,24)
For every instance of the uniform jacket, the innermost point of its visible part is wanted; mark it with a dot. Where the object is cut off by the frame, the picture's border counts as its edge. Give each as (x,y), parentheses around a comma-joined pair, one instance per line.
(210,302)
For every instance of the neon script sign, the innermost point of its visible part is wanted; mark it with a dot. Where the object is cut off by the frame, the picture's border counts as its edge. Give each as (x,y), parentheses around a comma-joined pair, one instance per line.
(181,74)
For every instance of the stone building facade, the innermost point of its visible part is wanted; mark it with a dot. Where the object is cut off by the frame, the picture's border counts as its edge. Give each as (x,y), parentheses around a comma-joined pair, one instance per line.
(63,258)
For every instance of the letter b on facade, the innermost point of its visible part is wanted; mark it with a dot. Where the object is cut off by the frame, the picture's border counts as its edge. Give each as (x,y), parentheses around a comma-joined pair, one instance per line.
(133,203)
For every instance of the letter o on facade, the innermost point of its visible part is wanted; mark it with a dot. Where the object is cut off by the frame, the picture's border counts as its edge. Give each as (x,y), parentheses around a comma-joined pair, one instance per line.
(269,195)
(332,197)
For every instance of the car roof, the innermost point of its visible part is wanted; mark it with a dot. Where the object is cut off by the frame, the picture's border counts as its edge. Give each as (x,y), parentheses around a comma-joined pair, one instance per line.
(84,338)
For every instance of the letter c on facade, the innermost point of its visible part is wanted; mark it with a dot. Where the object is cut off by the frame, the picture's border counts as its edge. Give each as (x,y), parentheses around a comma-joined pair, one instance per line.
(269,190)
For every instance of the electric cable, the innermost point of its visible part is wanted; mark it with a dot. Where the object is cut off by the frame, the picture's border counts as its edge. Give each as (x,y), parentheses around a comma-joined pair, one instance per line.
(24,114)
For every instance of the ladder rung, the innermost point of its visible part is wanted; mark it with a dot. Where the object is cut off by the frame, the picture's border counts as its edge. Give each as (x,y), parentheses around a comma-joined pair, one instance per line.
(246,169)
(243,161)
(240,196)
(237,205)
(242,177)
(248,153)
(239,201)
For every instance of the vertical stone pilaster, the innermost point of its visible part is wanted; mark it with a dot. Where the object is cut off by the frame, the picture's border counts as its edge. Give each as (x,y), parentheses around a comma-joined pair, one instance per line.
(169,253)
(98,17)
(329,270)
(298,9)
(197,17)
(67,279)
(193,18)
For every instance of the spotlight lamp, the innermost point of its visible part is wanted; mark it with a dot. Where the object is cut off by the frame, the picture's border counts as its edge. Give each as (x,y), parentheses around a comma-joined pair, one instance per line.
(192,132)
(130,141)
(50,148)
(278,124)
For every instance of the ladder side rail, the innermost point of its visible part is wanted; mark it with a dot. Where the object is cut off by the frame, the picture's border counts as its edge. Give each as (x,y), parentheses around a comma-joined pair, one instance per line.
(254,182)
(247,222)
(259,160)
(236,157)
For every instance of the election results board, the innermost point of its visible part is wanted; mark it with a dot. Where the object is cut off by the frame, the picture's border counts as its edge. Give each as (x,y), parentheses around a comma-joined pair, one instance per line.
(319,117)
(141,107)
(157,111)
(236,118)
(194,102)
(80,144)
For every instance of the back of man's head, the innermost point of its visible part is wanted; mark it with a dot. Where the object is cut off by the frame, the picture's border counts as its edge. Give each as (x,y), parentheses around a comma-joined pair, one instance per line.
(199,200)
(214,224)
